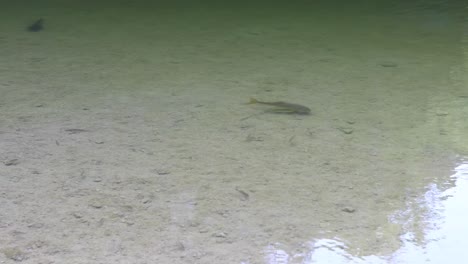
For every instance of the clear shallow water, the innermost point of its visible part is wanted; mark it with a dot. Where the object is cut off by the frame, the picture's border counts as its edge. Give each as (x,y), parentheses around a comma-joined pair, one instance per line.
(168,170)
(441,239)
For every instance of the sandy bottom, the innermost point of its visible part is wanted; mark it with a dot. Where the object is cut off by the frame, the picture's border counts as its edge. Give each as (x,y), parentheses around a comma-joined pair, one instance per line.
(125,137)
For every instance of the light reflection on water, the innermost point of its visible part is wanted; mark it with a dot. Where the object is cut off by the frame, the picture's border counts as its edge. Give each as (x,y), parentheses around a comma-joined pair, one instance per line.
(444,241)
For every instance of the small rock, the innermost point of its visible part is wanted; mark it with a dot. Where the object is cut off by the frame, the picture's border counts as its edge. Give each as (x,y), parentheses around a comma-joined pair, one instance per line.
(11,162)
(162,172)
(221,237)
(15,254)
(193,223)
(146,200)
(77,215)
(346,130)
(36,225)
(348,209)
(128,222)
(180,246)
(95,204)
(36,244)
(203,230)
(220,234)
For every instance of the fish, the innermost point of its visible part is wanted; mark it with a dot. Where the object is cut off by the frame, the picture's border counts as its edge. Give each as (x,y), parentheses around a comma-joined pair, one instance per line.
(283,107)
(36,26)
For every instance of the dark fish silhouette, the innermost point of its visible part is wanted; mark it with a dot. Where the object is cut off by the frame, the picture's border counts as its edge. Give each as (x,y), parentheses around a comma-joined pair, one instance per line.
(36,26)
(283,107)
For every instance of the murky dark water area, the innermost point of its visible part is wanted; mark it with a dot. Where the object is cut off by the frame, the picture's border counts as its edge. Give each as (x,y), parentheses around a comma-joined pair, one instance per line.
(127,136)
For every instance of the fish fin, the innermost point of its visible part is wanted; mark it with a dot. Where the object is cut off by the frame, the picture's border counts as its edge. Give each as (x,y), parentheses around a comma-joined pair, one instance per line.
(253,101)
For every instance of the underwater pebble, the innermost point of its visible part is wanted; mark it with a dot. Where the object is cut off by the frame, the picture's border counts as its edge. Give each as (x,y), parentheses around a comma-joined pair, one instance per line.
(11,162)
(128,222)
(193,223)
(346,130)
(77,215)
(163,172)
(348,209)
(180,245)
(221,237)
(36,244)
(203,230)
(15,254)
(95,204)
(36,225)
(146,200)
(220,234)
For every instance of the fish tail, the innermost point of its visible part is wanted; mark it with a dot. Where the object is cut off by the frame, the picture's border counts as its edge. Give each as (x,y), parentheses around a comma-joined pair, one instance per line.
(253,101)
